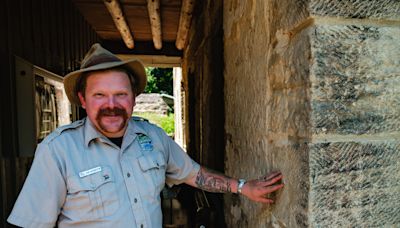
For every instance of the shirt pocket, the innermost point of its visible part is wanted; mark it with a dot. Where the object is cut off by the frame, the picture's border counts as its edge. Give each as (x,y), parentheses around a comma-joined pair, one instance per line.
(152,165)
(91,197)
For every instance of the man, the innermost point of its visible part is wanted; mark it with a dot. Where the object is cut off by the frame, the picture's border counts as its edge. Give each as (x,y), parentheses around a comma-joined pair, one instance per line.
(108,169)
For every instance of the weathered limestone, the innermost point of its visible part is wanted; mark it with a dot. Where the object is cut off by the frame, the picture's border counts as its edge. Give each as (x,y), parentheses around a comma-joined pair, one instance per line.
(355,79)
(355,184)
(372,9)
(355,152)
(312,88)
(266,101)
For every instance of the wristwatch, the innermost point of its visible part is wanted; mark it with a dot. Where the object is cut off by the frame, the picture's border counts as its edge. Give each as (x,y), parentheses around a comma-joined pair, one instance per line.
(241,183)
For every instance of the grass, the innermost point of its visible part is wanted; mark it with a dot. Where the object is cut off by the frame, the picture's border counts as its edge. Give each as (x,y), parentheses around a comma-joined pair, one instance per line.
(165,122)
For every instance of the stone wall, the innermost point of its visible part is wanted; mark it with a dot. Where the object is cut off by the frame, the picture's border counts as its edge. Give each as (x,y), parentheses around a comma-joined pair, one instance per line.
(355,118)
(312,89)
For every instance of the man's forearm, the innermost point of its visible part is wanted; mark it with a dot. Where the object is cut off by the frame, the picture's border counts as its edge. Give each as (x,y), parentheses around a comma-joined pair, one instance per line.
(212,181)
(257,189)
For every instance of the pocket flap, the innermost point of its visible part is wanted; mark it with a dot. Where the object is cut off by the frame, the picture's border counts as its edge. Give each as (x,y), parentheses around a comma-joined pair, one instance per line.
(90,182)
(151,160)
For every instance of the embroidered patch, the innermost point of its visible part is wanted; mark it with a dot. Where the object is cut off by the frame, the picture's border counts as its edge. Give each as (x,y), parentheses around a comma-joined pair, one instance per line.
(90,171)
(145,142)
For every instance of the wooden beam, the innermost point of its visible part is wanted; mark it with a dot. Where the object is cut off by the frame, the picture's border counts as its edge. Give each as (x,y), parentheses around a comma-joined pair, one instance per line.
(115,10)
(141,48)
(155,60)
(153,6)
(184,23)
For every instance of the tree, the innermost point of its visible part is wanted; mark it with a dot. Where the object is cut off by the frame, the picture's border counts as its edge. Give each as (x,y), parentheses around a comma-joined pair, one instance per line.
(159,80)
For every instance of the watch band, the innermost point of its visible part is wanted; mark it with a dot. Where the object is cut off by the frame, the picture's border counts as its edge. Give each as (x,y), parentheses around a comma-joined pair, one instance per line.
(241,183)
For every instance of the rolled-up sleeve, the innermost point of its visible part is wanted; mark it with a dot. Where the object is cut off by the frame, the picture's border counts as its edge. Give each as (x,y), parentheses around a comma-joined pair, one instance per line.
(43,194)
(180,166)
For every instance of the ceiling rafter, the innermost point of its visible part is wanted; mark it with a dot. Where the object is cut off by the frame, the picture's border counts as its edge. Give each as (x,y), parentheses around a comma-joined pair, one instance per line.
(184,23)
(158,23)
(153,7)
(117,15)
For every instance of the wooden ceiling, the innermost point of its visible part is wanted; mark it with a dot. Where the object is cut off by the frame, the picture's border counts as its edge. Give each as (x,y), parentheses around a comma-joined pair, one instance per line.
(166,32)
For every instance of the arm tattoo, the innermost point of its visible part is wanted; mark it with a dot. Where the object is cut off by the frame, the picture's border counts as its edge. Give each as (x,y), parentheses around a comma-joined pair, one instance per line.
(212,181)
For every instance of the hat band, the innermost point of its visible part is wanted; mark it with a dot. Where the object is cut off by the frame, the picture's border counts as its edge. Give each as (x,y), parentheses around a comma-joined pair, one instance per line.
(100,59)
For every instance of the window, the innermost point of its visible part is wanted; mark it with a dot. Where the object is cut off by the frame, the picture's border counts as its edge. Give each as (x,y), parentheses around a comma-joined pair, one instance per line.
(42,105)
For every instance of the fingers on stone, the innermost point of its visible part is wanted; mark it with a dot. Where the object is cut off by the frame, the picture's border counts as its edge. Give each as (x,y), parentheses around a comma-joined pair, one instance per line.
(273,180)
(273,188)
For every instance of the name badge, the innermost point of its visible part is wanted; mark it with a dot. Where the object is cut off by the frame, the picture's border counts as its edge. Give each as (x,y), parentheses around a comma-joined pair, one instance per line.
(90,171)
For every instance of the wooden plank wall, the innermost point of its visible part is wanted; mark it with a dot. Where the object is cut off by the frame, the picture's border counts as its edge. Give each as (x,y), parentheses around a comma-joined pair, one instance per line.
(51,34)
(203,70)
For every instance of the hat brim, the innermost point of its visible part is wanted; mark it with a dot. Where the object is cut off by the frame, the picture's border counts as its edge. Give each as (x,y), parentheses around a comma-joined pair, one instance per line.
(135,65)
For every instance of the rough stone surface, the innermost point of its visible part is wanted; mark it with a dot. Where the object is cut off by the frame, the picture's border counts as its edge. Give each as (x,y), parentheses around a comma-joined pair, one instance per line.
(356,79)
(312,89)
(266,101)
(375,9)
(355,184)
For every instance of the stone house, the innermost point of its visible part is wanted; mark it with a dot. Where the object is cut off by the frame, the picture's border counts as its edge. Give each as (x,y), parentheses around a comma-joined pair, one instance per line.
(154,103)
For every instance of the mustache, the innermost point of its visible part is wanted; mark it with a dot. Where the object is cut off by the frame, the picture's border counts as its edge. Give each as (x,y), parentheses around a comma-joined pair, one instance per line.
(112,112)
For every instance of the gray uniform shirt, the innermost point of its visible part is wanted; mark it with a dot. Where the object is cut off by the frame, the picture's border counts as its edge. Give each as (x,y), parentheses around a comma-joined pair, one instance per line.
(79,178)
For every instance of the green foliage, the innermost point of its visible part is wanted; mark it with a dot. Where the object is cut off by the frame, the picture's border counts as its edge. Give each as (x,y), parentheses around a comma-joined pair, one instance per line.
(167,123)
(159,80)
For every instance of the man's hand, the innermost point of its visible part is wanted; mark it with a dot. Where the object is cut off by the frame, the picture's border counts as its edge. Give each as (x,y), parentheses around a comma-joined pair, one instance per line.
(258,189)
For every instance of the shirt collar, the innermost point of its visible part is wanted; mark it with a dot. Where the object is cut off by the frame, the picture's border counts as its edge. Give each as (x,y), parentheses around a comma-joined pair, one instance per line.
(135,128)
(91,132)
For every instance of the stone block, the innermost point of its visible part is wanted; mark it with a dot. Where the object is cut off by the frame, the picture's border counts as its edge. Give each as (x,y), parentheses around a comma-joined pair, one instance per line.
(355,79)
(291,206)
(377,9)
(355,184)
(289,113)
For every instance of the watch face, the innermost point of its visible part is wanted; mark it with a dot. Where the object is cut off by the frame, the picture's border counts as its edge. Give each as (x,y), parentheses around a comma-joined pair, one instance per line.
(241,182)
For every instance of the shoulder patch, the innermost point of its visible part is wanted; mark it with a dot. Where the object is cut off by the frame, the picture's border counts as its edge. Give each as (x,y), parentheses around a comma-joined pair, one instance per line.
(138,118)
(70,126)
(145,142)
(59,130)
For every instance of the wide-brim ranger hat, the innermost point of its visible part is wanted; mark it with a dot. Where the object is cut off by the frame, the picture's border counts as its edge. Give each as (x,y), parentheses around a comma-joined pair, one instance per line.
(98,58)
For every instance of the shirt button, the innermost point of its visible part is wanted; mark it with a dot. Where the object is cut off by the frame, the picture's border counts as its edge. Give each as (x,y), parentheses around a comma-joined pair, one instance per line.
(135,200)
(141,226)
(128,175)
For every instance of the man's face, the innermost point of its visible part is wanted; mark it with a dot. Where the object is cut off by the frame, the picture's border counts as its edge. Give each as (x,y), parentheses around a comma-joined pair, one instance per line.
(108,101)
